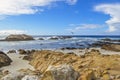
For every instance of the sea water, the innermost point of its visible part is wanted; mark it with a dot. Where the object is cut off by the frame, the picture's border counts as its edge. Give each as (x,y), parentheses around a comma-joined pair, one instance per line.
(74,42)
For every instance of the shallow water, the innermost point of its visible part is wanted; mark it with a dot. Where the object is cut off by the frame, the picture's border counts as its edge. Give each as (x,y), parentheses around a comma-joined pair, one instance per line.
(77,42)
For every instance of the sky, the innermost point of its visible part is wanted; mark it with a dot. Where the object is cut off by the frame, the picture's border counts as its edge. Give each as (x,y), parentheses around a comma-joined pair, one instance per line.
(60,17)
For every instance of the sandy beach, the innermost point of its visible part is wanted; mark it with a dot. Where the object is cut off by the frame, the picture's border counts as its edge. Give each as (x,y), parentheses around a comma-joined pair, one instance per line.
(17,64)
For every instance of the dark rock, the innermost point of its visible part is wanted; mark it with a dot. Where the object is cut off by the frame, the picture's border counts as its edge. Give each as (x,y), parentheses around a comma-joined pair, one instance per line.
(22,51)
(4,59)
(65,37)
(27,58)
(18,37)
(54,38)
(40,39)
(11,51)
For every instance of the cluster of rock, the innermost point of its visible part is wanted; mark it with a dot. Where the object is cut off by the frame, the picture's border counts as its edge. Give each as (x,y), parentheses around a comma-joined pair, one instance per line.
(111,47)
(23,74)
(110,40)
(51,65)
(59,37)
(91,66)
(18,37)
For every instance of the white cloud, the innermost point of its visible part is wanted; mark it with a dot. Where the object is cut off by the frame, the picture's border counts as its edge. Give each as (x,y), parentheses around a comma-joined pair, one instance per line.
(79,27)
(17,7)
(7,32)
(114,11)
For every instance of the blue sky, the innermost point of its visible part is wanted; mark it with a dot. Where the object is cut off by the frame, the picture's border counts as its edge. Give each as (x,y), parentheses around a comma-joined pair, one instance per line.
(51,17)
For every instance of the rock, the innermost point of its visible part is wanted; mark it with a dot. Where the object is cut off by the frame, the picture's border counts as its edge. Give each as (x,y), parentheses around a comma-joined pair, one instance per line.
(69,48)
(18,37)
(118,77)
(94,61)
(4,59)
(106,39)
(64,37)
(54,38)
(111,47)
(40,39)
(110,40)
(11,51)
(106,75)
(13,76)
(30,77)
(5,72)
(59,37)
(22,51)
(60,72)
(27,58)
(88,75)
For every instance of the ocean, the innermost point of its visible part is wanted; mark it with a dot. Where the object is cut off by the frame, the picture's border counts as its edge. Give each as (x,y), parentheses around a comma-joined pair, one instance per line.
(75,41)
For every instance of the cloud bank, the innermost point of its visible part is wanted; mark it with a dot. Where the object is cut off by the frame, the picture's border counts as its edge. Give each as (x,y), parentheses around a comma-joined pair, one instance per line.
(79,27)
(7,32)
(18,7)
(114,11)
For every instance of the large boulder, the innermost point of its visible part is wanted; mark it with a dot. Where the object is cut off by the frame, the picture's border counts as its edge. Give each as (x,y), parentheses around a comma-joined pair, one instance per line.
(18,37)
(4,59)
(60,72)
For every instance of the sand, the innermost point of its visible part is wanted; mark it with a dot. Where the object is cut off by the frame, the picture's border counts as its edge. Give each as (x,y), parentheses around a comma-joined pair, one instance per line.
(17,64)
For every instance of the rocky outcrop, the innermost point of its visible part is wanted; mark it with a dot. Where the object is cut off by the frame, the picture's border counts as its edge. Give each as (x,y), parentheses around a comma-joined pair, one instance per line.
(18,37)
(11,51)
(60,72)
(4,59)
(111,47)
(91,66)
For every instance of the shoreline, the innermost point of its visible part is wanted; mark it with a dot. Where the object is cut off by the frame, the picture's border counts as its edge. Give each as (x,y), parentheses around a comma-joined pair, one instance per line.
(78,59)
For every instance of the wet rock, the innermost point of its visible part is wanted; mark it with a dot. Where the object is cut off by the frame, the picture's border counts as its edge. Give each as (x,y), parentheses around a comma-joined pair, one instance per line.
(40,39)
(110,40)
(4,59)
(60,72)
(69,48)
(65,37)
(54,38)
(22,51)
(18,37)
(11,51)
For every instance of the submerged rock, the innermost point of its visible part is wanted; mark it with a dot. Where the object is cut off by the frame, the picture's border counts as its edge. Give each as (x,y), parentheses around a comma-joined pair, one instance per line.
(60,72)
(4,59)
(18,37)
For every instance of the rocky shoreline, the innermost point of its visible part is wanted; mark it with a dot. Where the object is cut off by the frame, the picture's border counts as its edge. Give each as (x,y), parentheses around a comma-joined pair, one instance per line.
(57,65)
